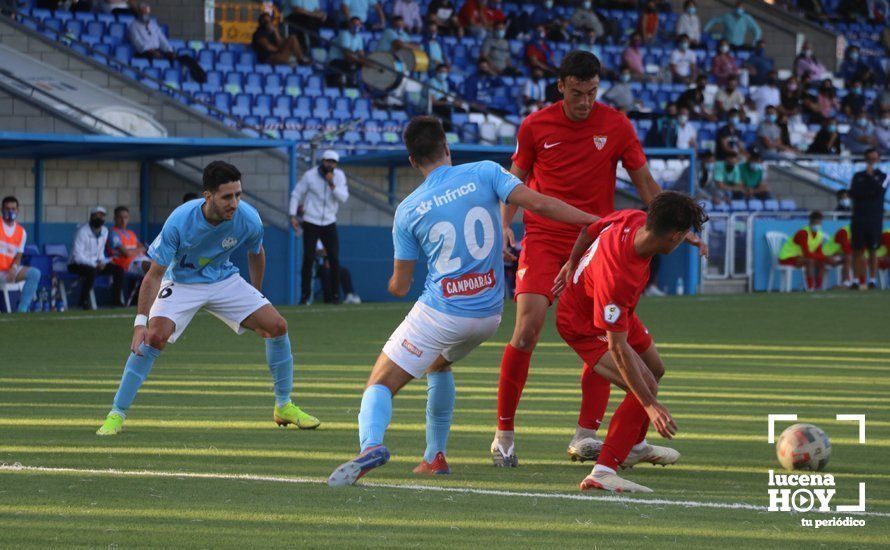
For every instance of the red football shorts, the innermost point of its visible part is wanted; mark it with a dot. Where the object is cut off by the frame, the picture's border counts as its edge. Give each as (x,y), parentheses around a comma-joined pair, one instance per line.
(592,349)
(541,259)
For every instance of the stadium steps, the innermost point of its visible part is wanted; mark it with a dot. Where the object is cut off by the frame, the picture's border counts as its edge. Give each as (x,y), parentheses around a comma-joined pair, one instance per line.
(725,286)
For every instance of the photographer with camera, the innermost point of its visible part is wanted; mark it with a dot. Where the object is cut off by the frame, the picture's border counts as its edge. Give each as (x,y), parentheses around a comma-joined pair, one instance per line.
(314,203)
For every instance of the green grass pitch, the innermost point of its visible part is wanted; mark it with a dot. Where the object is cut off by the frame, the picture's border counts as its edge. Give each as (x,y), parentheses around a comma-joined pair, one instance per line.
(207,409)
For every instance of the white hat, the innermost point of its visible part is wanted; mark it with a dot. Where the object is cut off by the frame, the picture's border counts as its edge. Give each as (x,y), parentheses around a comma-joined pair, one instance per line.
(330,154)
(98,210)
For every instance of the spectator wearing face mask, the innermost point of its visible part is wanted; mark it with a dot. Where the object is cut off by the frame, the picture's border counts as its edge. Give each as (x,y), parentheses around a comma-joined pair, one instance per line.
(827,103)
(730,98)
(443,14)
(688,24)
(687,136)
(854,69)
(664,132)
(538,54)
(807,64)
(693,100)
(882,133)
(827,140)
(88,260)
(853,103)
(432,45)
(759,65)
(306,17)
(632,57)
(728,178)
(409,11)
(791,96)
(396,38)
(584,19)
(494,57)
(620,95)
(478,18)
(534,92)
(271,48)
(729,138)
(736,25)
(769,137)
(590,45)
(724,65)
(861,137)
(361,9)
(439,92)
(753,174)
(648,24)
(767,95)
(346,55)
(149,42)
(12,246)
(804,249)
(683,62)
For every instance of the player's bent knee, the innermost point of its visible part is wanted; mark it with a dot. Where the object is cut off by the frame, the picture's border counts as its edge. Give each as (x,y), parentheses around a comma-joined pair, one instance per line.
(157,338)
(278,328)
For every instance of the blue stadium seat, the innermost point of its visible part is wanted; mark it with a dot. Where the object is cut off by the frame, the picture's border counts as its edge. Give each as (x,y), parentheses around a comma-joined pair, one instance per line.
(95,28)
(787,205)
(372,138)
(372,126)
(161,64)
(253,83)
(241,105)
(293,135)
(314,83)
(262,106)
(469,132)
(272,123)
(362,108)
(303,107)
(738,206)
(292,123)
(233,83)
(206,59)
(225,61)
(322,107)
(771,205)
(214,79)
(222,101)
(293,84)
(117,31)
(139,64)
(342,108)
(282,106)
(172,78)
(755,205)
(272,84)
(332,93)
(352,138)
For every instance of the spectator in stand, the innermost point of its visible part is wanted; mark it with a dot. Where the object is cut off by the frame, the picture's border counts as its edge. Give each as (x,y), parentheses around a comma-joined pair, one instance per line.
(729,99)
(706,185)
(665,130)
(305,15)
(648,24)
(804,249)
(347,55)
(433,47)
(736,25)
(123,246)
(878,10)
(88,260)
(729,138)
(396,37)
(409,11)
(632,57)
(149,42)
(687,135)
(584,19)
(827,101)
(854,10)
(827,140)
(767,95)
(494,57)
(444,15)
(867,190)
(560,31)
(728,178)
(861,137)
(753,176)
(693,99)
(271,48)
(118,7)
(12,246)
(853,103)
(813,9)
(759,65)
(620,95)
(440,90)
(538,54)
(882,133)
(590,45)
(853,68)
(724,65)
(688,24)
(360,9)
(478,18)
(683,62)
(792,96)
(883,101)
(807,64)
(534,93)
(769,137)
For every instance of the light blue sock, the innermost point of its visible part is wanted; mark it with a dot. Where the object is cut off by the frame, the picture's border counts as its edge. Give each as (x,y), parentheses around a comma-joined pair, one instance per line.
(439,411)
(32,279)
(135,373)
(281,365)
(374,416)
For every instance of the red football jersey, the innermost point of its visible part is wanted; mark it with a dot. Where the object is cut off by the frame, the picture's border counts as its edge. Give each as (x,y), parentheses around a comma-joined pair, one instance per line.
(610,278)
(575,161)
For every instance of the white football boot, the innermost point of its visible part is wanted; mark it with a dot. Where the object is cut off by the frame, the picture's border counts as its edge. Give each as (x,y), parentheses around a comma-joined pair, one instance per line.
(607,481)
(653,454)
(584,449)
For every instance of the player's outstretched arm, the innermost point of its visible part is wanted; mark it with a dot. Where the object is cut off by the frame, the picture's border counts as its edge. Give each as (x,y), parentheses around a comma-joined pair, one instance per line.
(508,212)
(402,275)
(631,368)
(549,207)
(256,267)
(151,283)
(582,243)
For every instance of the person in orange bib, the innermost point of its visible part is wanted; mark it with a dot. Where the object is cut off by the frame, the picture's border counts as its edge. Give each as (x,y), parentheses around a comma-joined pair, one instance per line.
(12,245)
(124,247)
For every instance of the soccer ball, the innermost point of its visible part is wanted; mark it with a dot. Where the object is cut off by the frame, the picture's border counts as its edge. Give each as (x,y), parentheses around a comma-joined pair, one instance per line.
(803,447)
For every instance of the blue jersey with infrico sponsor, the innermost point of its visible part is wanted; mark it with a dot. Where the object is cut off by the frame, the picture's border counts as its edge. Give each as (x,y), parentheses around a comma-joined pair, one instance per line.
(455,218)
(196,251)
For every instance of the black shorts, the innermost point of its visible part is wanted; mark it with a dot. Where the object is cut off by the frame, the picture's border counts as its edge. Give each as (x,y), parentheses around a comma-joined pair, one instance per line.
(866,236)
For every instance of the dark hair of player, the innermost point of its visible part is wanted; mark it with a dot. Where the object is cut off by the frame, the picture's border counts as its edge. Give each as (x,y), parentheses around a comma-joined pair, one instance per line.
(582,65)
(218,173)
(425,140)
(189,197)
(120,209)
(9,199)
(815,216)
(670,212)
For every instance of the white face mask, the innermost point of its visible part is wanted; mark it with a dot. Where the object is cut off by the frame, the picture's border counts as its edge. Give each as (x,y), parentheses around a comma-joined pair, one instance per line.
(724,49)
(816,227)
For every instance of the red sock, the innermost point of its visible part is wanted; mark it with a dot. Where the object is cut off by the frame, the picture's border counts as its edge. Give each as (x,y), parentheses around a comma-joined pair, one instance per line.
(594,398)
(514,372)
(624,430)
(862,280)
(818,282)
(809,282)
(643,431)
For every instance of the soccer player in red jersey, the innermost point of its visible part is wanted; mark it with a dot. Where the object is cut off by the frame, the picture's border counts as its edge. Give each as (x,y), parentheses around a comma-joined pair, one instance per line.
(569,150)
(600,286)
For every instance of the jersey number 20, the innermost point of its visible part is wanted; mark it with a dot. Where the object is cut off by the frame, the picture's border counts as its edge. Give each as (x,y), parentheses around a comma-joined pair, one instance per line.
(446,233)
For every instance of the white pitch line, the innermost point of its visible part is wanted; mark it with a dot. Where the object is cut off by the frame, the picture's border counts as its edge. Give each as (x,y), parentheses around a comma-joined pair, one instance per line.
(433,488)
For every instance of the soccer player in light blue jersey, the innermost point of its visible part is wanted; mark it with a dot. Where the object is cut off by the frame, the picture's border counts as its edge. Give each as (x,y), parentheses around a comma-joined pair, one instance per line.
(452,218)
(190,270)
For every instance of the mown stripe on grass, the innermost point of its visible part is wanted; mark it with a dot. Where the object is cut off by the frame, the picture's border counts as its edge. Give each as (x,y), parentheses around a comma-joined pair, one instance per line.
(732,347)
